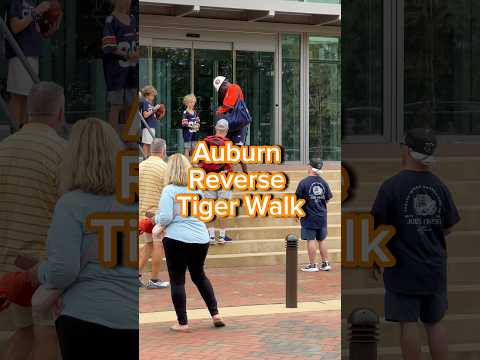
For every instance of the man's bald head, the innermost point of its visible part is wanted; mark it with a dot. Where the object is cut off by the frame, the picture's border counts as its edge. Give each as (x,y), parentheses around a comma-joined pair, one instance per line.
(46,104)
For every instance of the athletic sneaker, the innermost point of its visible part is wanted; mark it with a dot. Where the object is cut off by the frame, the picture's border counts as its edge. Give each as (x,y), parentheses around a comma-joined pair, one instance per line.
(325,266)
(220,240)
(157,284)
(310,268)
(226,239)
(213,241)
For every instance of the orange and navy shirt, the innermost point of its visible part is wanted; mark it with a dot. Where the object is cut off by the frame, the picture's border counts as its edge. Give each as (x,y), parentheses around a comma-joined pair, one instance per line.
(234,92)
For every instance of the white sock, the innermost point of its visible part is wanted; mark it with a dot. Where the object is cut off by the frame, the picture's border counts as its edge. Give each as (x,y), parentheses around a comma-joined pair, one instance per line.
(211,231)
(222,233)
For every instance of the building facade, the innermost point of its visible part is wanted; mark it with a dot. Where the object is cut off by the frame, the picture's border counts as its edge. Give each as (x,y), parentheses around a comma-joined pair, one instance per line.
(410,63)
(284,54)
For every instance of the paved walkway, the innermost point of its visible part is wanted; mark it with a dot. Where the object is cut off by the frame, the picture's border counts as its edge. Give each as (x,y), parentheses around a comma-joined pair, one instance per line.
(258,324)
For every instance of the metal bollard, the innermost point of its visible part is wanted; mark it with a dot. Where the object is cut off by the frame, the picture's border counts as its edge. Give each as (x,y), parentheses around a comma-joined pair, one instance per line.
(363,329)
(291,244)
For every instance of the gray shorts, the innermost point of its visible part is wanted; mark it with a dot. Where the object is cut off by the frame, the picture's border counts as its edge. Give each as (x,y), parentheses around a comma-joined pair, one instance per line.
(313,234)
(430,309)
(121,97)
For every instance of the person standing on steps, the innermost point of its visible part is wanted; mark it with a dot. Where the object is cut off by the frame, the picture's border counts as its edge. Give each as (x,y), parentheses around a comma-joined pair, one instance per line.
(219,139)
(228,97)
(421,209)
(316,193)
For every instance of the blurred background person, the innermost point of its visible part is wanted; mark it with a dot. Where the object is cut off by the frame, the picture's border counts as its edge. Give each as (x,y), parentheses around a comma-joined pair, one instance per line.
(99,305)
(120,60)
(29,169)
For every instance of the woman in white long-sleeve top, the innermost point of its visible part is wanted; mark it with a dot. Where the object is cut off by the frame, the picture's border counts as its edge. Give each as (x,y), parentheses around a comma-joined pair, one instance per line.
(186,243)
(99,304)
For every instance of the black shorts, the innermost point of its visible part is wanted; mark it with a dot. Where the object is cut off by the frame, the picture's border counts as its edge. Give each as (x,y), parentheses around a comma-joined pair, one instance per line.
(314,234)
(429,309)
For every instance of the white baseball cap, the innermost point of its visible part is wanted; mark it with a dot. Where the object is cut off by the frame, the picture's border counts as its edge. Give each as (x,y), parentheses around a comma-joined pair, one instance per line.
(222,125)
(218,81)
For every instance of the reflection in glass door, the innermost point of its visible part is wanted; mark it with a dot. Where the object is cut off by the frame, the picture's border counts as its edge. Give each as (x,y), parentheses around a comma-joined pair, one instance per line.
(208,65)
(171,77)
(256,76)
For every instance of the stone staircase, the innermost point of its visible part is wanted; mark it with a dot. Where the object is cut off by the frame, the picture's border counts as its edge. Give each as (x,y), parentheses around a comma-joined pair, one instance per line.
(359,290)
(261,241)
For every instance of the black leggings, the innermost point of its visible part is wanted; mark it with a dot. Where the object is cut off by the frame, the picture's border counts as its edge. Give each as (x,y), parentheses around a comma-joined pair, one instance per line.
(80,340)
(181,256)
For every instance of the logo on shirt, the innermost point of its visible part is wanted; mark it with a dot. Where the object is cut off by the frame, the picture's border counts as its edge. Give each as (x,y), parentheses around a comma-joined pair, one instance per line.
(316,192)
(422,208)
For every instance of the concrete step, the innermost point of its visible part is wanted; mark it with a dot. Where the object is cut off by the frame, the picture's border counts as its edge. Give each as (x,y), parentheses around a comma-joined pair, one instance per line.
(262,246)
(262,259)
(244,220)
(297,175)
(380,169)
(456,326)
(273,232)
(455,352)
(334,206)
(257,259)
(276,194)
(462,299)
(293,184)
(461,271)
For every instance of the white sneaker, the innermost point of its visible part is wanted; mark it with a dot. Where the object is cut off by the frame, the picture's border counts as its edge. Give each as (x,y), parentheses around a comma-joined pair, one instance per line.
(325,266)
(213,241)
(157,284)
(310,268)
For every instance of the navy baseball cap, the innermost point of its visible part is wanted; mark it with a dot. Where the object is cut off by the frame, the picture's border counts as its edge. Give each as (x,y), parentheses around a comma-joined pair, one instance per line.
(422,141)
(316,163)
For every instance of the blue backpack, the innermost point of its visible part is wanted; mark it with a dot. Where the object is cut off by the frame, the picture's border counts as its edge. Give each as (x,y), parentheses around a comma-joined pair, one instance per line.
(239,117)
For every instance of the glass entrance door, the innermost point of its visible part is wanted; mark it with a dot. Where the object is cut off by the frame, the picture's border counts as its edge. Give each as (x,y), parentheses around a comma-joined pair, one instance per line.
(208,65)
(178,68)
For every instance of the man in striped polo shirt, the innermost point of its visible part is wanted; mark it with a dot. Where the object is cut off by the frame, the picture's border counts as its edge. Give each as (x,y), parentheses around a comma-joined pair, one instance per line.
(29,161)
(151,184)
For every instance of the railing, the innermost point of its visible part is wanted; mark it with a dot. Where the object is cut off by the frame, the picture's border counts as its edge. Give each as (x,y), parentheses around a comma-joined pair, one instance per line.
(142,120)
(19,53)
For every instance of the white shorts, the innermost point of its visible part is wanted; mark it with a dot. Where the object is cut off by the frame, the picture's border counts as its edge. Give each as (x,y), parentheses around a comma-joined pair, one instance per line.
(19,80)
(146,137)
(18,317)
(218,194)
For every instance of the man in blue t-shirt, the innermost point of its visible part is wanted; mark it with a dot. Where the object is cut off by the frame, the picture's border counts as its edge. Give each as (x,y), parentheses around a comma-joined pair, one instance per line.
(420,207)
(22,21)
(120,60)
(316,193)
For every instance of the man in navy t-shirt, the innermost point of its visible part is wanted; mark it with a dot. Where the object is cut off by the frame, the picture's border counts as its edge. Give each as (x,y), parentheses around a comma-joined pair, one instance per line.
(22,17)
(120,59)
(420,207)
(316,193)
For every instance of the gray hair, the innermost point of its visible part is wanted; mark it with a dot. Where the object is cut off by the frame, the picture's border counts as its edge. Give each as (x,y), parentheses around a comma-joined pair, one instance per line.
(45,98)
(158,146)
